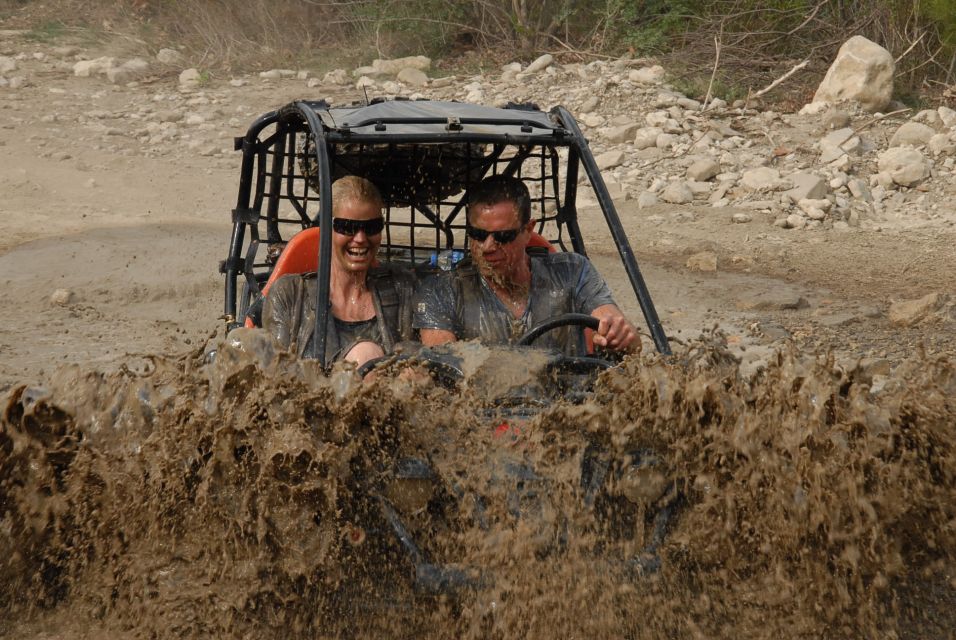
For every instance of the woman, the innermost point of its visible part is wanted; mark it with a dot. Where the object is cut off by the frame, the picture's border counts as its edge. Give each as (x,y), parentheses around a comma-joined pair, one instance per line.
(370,305)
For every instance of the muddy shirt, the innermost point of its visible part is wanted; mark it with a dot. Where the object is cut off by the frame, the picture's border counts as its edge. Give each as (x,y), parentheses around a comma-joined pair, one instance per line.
(289,314)
(462,302)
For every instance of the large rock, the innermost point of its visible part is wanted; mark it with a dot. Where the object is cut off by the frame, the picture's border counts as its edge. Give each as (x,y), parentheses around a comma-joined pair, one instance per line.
(646,137)
(392,67)
(677,192)
(806,185)
(190,78)
(647,75)
(862,72)
(909,312)
(542,63)
(703,169)
(760,179)
(336,76)
(609,159)
(169,56)
(907,167)
(412,77)
(622,133)
(87,68)
(912,133)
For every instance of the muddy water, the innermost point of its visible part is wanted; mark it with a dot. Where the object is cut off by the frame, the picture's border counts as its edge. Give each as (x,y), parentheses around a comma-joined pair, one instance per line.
(245,499)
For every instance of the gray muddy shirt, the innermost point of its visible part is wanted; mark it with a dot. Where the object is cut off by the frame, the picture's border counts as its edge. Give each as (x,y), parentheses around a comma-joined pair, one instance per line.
(462,302)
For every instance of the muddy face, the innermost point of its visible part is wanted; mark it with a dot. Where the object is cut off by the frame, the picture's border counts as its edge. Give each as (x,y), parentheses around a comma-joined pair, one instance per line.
(245,498)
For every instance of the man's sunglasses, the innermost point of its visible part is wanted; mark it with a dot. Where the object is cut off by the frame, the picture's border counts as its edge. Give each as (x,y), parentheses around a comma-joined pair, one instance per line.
(501,237)
(348,227)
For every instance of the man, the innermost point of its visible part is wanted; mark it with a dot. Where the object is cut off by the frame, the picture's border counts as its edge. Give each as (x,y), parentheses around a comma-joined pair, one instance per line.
(506,291)
(371,305)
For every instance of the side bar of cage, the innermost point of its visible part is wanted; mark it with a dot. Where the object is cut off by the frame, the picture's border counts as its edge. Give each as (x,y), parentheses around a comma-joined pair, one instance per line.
(325,225)
(617,232)
(249,152)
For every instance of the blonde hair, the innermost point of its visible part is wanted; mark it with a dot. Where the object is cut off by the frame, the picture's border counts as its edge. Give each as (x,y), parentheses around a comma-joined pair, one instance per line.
(355,189)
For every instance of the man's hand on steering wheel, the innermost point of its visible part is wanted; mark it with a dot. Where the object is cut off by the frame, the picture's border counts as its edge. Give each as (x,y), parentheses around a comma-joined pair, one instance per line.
(615,332)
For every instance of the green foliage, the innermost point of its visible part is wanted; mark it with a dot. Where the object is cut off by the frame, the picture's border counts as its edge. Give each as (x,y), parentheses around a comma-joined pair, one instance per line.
(46,32)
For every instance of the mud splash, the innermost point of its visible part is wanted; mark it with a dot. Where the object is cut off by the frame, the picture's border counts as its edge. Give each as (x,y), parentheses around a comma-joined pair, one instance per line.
(243,498)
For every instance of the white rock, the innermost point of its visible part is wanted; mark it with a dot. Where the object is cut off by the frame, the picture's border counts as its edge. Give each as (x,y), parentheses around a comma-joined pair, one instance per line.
(703,169)
(806,185)
(947,115)
(811,203)
(412,77)
(336,76)
(7,64)
(814,108)
(906,167)
(593,120)
(716,104)
(590,104)
(688,103)
(18,82)
(237,82)
(194,119)
(189,78)
(796,221)
(912,133)
(391,87)
(61,297)
(941,143)
(741,218)
(392,67)
(646,199)
(862,72)
(271,74)
(699,188)
(647,75)
(543,62)
(859,189)
(364,81)
(677,192)
(170,57)
(622,133)
(909,312)
(665,141)
(760,179)
(646,137)
(609,159)
(87,68)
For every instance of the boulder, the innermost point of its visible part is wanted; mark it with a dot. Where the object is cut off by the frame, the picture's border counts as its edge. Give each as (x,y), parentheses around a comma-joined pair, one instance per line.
(540,64)
(646,137)
(647,75)
(646,199)
(170,57)
(412,77)
(760,179)
(677,192)
(392,67)
(336,76)
(703,169)
(806,185)
(622,133)
(947,116)
(941,143)
(609,159)
(862,72)
(906,167)
(912,133)
(190,78)
(909,312)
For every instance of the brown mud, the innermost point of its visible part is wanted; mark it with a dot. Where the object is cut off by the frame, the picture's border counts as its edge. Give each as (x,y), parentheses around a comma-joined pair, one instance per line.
(173,498)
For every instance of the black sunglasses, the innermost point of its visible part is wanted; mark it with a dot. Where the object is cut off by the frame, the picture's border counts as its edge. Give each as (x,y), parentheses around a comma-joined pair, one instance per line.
(348,227)
(501,237)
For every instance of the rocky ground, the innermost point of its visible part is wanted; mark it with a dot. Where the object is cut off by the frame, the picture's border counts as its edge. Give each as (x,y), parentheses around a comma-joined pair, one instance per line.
(832,227)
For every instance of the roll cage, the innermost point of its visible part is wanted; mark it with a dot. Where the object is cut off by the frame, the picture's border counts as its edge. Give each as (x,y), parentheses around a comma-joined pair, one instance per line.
(423,156)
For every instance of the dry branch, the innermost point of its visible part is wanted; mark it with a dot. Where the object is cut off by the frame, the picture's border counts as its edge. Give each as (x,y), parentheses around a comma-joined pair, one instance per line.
(781,79)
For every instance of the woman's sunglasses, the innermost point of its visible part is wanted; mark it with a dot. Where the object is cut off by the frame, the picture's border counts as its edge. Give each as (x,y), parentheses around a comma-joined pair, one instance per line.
(348,227)
(501,237)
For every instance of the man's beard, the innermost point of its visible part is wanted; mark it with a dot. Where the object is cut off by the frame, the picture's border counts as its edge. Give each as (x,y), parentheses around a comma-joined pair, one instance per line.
(496,278)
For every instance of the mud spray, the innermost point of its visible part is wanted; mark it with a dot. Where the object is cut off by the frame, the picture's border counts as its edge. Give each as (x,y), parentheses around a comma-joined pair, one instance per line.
(243,499)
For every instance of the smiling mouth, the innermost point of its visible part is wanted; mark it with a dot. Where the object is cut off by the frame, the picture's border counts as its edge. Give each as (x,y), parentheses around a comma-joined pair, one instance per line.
(357,252)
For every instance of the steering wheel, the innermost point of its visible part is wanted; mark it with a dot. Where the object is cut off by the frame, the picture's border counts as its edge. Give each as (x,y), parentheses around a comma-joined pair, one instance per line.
(445,370)
(603,359)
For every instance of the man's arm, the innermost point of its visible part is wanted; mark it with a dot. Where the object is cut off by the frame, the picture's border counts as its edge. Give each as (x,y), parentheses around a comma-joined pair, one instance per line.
(435,337)
(615,331)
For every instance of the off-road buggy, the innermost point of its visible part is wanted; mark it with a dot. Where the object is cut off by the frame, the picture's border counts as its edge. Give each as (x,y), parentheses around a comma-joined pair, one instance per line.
(424,156)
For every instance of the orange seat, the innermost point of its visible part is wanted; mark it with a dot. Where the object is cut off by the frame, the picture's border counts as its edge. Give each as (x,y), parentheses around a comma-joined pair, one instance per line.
(538,240)
(300,255)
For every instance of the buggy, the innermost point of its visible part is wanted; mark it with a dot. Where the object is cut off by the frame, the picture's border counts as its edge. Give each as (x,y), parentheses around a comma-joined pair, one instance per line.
(424,156)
